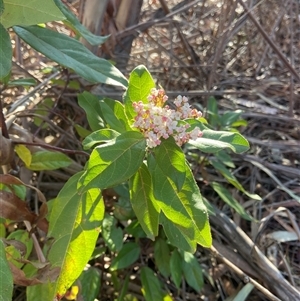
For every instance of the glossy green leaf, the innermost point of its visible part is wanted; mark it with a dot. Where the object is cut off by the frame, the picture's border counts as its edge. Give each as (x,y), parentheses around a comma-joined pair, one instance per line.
(143,202)
(113,163)
(192,271)
(232,179)
(74,22)
(6,283)
(91,105)
(19,12)
(184,208)
(112,235)
(227,197)
(48,160)
(176,268)
(71,53)
(6,53)
(214,141)
(74,228)
(151,286)
(162,256)
(171,160)
(140,85)
(114,115)
(100,136)
(90,284)
(128,255)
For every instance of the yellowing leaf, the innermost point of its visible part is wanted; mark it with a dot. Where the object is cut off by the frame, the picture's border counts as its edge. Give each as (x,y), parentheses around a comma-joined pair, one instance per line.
(24,154)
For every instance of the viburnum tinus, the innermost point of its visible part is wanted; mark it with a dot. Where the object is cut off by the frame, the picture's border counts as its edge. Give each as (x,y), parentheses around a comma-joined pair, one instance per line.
(157,121)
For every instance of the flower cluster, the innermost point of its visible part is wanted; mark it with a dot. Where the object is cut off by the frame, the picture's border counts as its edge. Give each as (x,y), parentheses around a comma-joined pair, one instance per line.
(156,120)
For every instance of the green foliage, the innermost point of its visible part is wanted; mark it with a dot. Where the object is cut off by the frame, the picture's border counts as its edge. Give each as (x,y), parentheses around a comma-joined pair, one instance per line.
(158,199)
(71,53)
(18,12)
(6,52)
(6,283)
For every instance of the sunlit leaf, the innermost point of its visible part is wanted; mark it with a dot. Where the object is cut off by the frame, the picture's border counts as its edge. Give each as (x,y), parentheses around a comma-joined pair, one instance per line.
(74,228)
(184,208)
(48,160)
(113,163)
(214,141)
(140,85)
(19,12)
(98,137)
(71,53)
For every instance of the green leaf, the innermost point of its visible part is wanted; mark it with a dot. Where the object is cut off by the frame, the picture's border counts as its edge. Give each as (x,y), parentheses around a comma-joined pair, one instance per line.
(212,111)
(127,256)
(143,201)
(6,53)
(71,53)
(24,154)
(112,235)
(23,237)
(151,286)
(162,257)
(244,292)
(225,158)
(98,137)
(74,228)
(22,82)
(74,22)
(91,104)
(227,197)
(90,284)
(48,160)
(171,160)
(184,208)
(176,268)
(19,12)
(1,7)
(214,141)
(228,118)
(181,237)
(6,283)
(232,179)
(113,163)
(192,271)
(140,85)
(114,115)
